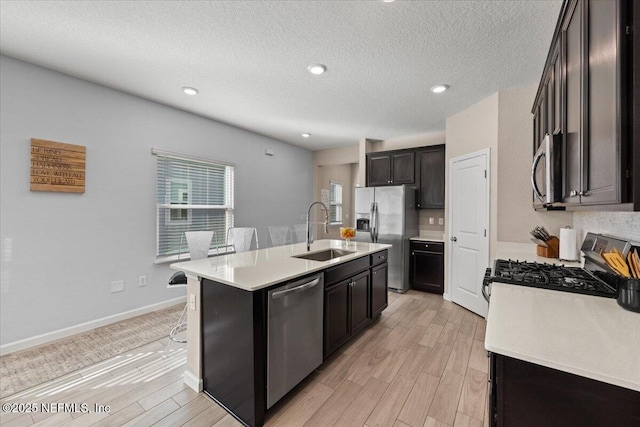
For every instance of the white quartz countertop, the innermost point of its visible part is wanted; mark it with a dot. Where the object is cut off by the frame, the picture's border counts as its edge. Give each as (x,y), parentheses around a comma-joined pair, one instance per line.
(581,334)
(429,238)
(259,269)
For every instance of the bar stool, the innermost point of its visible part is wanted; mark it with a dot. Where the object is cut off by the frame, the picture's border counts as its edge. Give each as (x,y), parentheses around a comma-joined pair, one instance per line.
(199,243)
(299,233)
(279,235)
(242,238)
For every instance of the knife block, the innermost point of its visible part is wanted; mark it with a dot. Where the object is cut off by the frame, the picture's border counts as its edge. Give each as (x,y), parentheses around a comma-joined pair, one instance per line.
(552,251)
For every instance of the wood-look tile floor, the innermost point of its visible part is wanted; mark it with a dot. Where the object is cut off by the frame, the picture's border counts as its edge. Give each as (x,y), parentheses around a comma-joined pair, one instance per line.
(422,363)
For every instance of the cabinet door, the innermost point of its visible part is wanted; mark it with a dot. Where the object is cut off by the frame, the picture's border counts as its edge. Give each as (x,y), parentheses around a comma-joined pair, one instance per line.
(431,166)
(601,144)
(557,91)
(378,169)
(359,290)
(379,276)
(336,316)
(402,168)
(572,37)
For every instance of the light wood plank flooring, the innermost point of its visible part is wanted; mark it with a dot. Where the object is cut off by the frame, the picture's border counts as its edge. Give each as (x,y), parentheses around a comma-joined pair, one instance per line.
(422,364)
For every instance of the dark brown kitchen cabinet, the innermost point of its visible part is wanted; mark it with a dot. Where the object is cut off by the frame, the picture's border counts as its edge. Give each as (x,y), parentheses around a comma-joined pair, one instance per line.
(355,294)
(585,95)
(430,164)
(336,319)
(426,266)
(379,279)
(390,168)
(525,394)
(346,310)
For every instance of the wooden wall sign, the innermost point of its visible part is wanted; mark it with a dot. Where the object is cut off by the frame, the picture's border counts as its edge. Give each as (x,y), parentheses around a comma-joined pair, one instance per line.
(56,166)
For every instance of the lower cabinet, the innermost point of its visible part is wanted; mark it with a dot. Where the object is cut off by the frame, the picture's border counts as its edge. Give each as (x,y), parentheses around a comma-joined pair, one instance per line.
(346,310)
(426,266)
(525,394)
(379,279)
(355,294)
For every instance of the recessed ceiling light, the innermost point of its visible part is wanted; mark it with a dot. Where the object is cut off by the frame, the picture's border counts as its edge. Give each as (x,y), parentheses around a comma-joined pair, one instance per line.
(388,1)
(317,69)
(306,135)
(190,90)
(439,88)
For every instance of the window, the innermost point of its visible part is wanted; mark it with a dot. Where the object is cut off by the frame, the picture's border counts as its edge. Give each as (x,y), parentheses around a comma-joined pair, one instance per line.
(193,194)
(335,203)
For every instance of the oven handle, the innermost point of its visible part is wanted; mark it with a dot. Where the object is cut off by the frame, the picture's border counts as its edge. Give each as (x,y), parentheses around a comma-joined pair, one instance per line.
(485,284)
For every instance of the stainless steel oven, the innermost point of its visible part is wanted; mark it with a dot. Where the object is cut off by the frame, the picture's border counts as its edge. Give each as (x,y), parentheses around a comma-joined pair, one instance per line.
(546,172)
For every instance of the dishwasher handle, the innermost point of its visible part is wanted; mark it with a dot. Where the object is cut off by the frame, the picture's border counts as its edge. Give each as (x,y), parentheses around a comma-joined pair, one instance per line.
(301,288)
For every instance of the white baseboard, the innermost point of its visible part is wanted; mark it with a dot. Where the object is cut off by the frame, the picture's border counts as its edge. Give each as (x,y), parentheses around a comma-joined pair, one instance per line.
(83,327)
(446,296)
(192,381)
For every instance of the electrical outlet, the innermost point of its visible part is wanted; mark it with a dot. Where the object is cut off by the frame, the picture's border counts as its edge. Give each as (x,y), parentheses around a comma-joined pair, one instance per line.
(192,301)
(117,286)
(142,281)
(440,221)
(431,221)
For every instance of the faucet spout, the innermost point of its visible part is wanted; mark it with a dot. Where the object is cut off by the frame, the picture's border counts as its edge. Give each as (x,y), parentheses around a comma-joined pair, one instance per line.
(326,222)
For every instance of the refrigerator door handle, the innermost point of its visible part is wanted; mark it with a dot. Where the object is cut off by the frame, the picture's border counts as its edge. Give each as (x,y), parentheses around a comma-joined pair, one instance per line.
(373,222)
(376,222)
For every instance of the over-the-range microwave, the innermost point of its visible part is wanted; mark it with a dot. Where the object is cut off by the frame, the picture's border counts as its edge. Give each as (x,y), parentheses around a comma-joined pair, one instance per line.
(546,172)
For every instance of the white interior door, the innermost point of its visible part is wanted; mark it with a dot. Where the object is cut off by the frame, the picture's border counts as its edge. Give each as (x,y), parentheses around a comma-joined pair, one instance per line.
(469,230)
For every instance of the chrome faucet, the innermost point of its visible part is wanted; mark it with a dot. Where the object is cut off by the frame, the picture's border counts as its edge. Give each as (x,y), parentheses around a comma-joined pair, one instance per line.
(326,222)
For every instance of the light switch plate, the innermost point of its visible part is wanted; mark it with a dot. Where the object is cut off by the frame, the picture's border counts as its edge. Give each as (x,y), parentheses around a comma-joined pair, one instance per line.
(440,221)
(192,301)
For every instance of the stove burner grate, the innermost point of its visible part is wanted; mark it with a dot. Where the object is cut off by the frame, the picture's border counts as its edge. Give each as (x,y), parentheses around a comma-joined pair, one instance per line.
(547,276)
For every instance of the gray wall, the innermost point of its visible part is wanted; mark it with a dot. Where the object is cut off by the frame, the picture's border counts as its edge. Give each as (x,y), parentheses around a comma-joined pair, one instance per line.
(60,251)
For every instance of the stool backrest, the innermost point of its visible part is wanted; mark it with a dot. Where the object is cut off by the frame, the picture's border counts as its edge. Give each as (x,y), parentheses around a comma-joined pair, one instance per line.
(242,238)
(199,243)
(279,235)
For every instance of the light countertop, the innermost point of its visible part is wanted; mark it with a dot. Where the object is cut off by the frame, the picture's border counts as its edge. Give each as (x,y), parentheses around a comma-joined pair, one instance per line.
(259,269)
(581,334)
(431,237)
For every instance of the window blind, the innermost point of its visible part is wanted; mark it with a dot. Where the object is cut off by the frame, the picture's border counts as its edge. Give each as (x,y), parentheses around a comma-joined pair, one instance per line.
(192,195)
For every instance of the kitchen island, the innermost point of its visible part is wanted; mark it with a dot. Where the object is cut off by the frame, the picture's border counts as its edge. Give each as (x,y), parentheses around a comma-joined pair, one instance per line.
(561,359)
(228,324)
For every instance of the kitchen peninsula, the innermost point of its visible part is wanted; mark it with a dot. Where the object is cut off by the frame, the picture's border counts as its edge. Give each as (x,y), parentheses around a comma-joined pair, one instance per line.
(236,301)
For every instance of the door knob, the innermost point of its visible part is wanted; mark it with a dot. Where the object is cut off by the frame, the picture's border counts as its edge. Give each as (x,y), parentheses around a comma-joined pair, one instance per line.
(454,239)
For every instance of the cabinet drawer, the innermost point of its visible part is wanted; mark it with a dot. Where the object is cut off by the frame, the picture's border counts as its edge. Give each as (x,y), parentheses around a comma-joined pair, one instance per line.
(379,257)
(417,245)
(346,270)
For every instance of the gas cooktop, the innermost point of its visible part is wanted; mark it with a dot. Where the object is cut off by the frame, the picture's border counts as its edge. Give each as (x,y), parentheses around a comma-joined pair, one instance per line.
(547,276)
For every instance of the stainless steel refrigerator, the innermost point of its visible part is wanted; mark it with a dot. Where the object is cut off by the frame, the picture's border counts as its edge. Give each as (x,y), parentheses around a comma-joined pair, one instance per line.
(388,215)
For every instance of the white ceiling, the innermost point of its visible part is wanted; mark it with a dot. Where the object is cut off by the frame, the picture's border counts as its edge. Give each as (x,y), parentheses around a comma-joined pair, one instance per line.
(249,58)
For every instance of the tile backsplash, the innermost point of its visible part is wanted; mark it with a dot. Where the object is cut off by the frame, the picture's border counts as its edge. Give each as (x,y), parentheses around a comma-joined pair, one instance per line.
(625,225)
(424,215)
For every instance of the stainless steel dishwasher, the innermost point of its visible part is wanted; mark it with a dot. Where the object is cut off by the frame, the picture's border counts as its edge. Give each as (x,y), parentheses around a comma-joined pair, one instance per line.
(294,334)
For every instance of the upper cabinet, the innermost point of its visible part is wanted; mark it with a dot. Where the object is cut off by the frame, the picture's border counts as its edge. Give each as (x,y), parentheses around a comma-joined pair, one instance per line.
(423,167)
(390,168)
(585,96)
(430,164)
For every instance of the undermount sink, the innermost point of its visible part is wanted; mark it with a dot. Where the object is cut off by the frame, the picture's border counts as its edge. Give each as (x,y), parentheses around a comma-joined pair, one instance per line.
(324,255)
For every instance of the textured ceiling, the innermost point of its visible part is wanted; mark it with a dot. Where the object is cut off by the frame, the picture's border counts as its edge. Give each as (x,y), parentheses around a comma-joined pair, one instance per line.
(249,59)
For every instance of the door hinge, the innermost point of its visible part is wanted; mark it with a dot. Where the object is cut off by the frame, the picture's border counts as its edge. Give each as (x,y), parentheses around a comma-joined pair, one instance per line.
(485,173)
(628,174)
(628,29)
(485,232)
